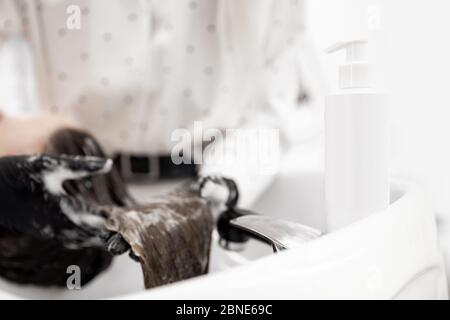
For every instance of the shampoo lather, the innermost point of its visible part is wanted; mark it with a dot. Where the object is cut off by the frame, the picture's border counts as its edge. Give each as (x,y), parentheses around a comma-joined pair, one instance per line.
(357,142)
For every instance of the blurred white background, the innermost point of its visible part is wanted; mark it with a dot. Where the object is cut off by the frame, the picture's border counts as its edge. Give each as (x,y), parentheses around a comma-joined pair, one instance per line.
(413,53)
(413,56)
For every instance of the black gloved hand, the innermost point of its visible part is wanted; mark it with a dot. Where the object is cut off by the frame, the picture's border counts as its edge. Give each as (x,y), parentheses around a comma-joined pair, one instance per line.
(33,201)
(222,193)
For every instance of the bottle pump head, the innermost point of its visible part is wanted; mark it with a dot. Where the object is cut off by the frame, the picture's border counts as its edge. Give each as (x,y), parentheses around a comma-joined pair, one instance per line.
(356,72)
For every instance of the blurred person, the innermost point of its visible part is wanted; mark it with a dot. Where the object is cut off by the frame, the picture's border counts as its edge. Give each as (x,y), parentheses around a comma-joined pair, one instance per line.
(133,72)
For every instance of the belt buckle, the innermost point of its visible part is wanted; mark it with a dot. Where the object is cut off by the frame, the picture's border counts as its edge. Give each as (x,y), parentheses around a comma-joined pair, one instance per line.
(153,170)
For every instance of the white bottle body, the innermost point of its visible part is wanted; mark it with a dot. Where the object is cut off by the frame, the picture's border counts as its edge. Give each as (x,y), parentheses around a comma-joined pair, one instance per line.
(357,178)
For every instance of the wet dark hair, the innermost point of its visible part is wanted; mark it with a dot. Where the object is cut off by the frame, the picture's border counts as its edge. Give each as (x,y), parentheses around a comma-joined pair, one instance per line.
(31,261)
(102,190)
(167,254)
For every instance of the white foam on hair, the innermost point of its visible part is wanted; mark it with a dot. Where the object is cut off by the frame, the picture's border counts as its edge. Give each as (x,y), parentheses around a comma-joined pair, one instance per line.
(53,180)
(81,218)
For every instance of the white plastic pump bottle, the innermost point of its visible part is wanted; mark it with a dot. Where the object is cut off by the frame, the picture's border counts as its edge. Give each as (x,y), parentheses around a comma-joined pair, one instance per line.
(357,142)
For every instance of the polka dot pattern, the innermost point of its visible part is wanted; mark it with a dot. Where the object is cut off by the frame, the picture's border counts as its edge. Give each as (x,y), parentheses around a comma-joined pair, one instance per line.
(208,71)
(62,76)
(128,100)
(190,49)
(82,100)
(84,56)
(187,93)
(132,17)
(193,5)
(104,81)
(129,60)
(141,71)
(62,32)
(107,36)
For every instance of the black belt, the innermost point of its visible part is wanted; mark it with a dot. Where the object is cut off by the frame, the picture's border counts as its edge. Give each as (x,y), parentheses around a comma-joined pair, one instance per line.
(145,167)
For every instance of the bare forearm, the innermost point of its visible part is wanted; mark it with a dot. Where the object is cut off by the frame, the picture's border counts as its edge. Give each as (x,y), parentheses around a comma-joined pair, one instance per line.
(20,136)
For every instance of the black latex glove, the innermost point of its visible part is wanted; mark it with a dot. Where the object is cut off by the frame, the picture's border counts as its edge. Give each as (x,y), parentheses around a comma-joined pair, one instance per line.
(33,201)
(220,192)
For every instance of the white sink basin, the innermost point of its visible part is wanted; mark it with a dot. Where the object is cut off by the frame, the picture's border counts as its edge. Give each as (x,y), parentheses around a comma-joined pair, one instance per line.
(393,254)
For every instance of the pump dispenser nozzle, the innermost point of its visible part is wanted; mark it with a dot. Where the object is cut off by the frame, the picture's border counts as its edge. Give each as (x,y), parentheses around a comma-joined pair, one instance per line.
(357,71)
